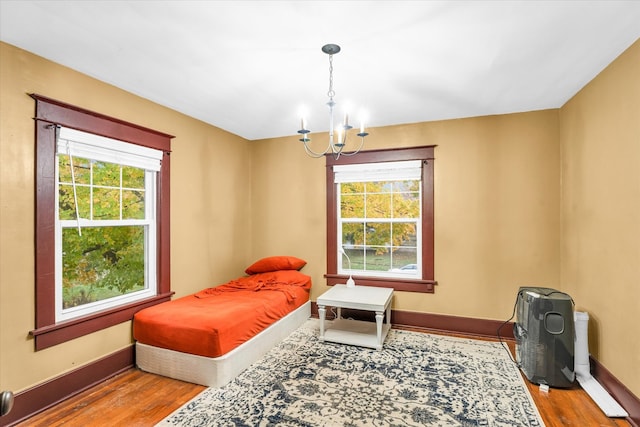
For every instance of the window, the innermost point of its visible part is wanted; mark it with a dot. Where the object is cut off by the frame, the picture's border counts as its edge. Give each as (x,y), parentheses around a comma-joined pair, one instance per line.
(380,213)
(102,221)
(378,216)
(105,223)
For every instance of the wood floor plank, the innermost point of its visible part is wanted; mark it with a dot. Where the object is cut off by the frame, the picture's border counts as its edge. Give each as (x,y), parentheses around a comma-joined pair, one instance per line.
(133,399)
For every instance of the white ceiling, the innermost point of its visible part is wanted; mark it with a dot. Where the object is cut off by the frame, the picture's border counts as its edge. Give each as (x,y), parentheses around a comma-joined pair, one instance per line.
(249,66)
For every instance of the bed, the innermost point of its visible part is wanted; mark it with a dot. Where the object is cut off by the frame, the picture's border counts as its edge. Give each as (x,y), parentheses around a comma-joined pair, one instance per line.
(211,336)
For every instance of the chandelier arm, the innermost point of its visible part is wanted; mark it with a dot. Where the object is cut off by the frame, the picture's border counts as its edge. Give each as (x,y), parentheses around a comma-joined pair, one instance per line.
(312,153)
(353,153)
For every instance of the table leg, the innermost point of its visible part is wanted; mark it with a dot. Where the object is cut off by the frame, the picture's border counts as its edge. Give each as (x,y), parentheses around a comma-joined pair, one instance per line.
(389,315)
(322,314)
(379,317)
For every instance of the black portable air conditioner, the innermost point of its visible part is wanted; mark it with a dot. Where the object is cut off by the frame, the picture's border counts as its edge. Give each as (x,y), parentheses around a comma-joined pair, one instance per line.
(544,332)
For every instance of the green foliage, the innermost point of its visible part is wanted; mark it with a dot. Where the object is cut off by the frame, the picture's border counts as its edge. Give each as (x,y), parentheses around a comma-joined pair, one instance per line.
(101,261)
(375,212)
(77,295)
(102,258)
(98,190)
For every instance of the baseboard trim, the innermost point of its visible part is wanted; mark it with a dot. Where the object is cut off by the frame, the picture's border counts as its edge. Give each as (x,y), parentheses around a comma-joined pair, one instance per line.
(624,396)
(483,328)
(46,395)
(467,326)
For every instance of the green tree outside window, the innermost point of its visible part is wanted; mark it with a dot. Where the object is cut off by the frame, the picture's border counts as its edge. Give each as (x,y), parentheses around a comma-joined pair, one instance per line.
(100,261)
(380,223)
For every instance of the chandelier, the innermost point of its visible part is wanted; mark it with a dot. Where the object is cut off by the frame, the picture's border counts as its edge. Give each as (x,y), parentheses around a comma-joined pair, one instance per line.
(337,142)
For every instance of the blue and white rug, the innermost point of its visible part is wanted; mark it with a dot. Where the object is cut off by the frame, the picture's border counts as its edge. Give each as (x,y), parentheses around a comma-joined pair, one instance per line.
(418,379)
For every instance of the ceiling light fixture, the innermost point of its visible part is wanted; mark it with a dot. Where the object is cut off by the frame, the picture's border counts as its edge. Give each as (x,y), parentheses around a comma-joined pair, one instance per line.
(336,146)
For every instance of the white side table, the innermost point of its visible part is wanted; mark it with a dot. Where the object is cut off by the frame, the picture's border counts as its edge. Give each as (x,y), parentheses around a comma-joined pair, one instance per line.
(356,332)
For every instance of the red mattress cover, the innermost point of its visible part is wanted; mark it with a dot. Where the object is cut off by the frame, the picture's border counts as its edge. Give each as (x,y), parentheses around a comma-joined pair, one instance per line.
(216,320)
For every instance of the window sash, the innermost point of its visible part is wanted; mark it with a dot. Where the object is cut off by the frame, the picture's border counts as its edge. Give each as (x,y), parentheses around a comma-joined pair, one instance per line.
(343,264)
(148,290)
(376,172)
(70,142)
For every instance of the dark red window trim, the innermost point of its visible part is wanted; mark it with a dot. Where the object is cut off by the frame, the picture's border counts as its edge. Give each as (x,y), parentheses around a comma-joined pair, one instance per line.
(425,154)
(49,113)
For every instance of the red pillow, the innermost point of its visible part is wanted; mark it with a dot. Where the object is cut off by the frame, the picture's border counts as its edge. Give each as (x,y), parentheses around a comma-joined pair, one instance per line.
(275,263)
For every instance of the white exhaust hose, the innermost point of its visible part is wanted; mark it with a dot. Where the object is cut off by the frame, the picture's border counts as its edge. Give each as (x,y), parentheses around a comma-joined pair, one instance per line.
(594,389)
(581,363)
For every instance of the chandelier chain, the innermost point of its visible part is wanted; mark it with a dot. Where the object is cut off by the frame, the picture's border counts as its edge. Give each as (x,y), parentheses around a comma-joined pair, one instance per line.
(331,93)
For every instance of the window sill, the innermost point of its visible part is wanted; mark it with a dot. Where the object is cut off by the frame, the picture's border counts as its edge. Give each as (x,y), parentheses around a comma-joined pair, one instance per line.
(51,335)
(423,286)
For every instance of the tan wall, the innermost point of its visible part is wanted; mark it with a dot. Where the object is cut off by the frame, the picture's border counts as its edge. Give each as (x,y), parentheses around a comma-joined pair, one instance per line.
(210,179)
(600,135)
(497,208)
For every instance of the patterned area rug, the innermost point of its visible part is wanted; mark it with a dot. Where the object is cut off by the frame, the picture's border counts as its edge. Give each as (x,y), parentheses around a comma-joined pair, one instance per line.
(418,379)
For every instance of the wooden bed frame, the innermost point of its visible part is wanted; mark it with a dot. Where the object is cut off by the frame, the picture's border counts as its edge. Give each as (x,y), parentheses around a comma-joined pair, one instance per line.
(218,371)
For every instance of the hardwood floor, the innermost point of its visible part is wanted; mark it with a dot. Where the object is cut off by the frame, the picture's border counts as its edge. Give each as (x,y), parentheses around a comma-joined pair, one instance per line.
(571,407)
(139,399)
(132,399)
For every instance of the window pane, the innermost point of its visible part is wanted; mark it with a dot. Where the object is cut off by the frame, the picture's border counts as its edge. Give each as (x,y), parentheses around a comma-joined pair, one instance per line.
(404,234)
(64,168)
(378,259)
(352,234)
(132,177)
(405,260)
(406,205)
(106,174)
(102,263)
(106,203)
(81,169)
(352,206)
(378,236)
(132,204)
(356,255)
(67,203)
(352,188)
(379,205)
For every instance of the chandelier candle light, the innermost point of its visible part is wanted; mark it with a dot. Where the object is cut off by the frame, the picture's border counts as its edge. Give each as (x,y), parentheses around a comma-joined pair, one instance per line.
(335,147)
